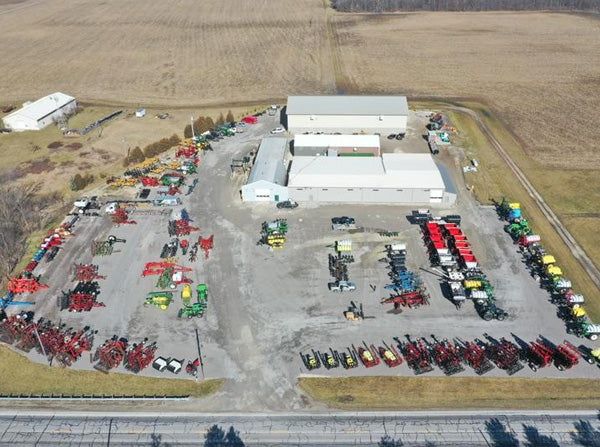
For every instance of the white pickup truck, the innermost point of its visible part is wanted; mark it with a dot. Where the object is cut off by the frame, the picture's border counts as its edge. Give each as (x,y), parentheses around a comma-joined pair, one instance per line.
(342,286)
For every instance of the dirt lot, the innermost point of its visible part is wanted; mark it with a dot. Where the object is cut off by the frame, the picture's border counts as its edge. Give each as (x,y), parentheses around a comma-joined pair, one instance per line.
(187,53)
(265,307)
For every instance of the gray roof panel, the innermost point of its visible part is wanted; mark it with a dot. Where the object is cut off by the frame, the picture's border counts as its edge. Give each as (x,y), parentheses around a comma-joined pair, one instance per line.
(347,105)
(268,164)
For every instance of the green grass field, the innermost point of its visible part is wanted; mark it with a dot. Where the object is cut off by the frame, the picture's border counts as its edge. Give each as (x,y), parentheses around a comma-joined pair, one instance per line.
(412,393)
(20,376)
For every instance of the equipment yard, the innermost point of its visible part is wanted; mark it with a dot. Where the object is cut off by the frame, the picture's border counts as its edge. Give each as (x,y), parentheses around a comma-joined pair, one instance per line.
(280,295)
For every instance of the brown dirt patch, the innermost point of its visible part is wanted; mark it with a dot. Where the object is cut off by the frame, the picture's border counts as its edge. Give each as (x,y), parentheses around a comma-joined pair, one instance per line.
(37,166)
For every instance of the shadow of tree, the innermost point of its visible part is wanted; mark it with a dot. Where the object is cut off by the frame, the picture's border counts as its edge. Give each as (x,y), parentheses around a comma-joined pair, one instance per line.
(216,437)
(586,435)
(499,435)
(156,441)
(387,441)
(534,438)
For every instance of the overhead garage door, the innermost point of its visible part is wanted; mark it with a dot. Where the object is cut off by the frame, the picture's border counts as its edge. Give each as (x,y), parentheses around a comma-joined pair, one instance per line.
(338,194)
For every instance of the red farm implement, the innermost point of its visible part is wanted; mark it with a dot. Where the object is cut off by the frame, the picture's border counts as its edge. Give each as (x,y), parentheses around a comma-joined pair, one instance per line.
(139,355)
(29,339)
(408,299)
(187,152)
(206,244)
(13,326)
(65,345)
(537,355)
(446,357)
(474,356)
(25,284)
(368,356)
(388,354)
(504,354)
(417,355)
(110,354)
(566,356)
(149,181)
(158,268)
(121,217)
(83,298)
(86,273)
(181,227)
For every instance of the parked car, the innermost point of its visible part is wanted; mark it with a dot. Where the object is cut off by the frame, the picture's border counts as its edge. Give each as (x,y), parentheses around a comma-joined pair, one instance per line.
(400,136)
(240,124)
(344,220)
(391,136)
(288,204)
(278,130)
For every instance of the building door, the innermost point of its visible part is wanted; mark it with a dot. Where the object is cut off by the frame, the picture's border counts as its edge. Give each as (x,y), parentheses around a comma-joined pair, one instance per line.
(277,197)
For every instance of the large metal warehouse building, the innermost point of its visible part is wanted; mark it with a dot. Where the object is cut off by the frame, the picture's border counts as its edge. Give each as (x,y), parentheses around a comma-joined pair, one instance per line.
(347,114)
(391,178)
(332,145)
(266,182)
(41,113)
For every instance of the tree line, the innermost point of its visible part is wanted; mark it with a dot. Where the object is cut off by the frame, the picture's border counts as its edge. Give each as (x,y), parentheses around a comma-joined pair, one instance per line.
(464,5)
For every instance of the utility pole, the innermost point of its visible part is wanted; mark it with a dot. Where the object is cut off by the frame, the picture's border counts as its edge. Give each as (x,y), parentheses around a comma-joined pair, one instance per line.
(199,355)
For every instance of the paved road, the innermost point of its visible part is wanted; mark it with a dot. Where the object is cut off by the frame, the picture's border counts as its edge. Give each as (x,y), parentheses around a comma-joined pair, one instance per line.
(565,235)
(368,429)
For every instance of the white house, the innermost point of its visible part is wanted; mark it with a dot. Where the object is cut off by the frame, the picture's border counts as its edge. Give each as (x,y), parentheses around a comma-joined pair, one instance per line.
(41,113)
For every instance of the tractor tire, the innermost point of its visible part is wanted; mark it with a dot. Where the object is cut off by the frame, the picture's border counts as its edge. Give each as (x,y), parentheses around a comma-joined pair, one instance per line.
(560,368)
(487,316)
(501,316)
(533,367)
(594,337)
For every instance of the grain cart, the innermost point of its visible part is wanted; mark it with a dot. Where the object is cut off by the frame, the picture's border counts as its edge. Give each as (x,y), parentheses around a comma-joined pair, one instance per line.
(159,299)
(368,356)
(474,356)
(416,354)
(139,356)
(311,361)
(566,356)
(329,359)
(505,354)
(388,354)
(110,354)
(537,355)
(446,356)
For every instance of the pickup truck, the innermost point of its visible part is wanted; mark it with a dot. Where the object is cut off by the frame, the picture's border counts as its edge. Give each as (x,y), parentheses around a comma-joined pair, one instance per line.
(342,286)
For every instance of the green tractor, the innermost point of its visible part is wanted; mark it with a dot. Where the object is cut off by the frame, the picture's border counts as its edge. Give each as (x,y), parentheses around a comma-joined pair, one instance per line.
(159,299)
(199,307)
(519,229)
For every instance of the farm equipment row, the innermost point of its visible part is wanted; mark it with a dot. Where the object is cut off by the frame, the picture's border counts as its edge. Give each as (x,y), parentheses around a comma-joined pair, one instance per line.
(452,356)
(65,345)
(449,249)
(544,268)
(407,289)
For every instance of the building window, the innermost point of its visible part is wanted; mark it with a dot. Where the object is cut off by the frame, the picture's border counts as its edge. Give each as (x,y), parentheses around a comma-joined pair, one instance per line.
(375,190)
(350,189)
(380,117)
(399,190)
(324,189)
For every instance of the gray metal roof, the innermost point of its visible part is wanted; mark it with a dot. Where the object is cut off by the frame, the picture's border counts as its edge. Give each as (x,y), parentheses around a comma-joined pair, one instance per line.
(269,165)
(347,105)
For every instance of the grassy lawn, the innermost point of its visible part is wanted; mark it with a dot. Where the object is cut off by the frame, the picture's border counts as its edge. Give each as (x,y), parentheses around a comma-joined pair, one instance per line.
(495,179)
(21,376)
(406,393)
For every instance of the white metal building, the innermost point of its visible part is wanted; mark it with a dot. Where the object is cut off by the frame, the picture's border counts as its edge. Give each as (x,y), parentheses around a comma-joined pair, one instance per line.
(41,113)
(347,114)
(332,145)
(267,179)
(391,178)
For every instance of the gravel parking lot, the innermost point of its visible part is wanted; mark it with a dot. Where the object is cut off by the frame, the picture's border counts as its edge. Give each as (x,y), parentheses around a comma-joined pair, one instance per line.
(266,307)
